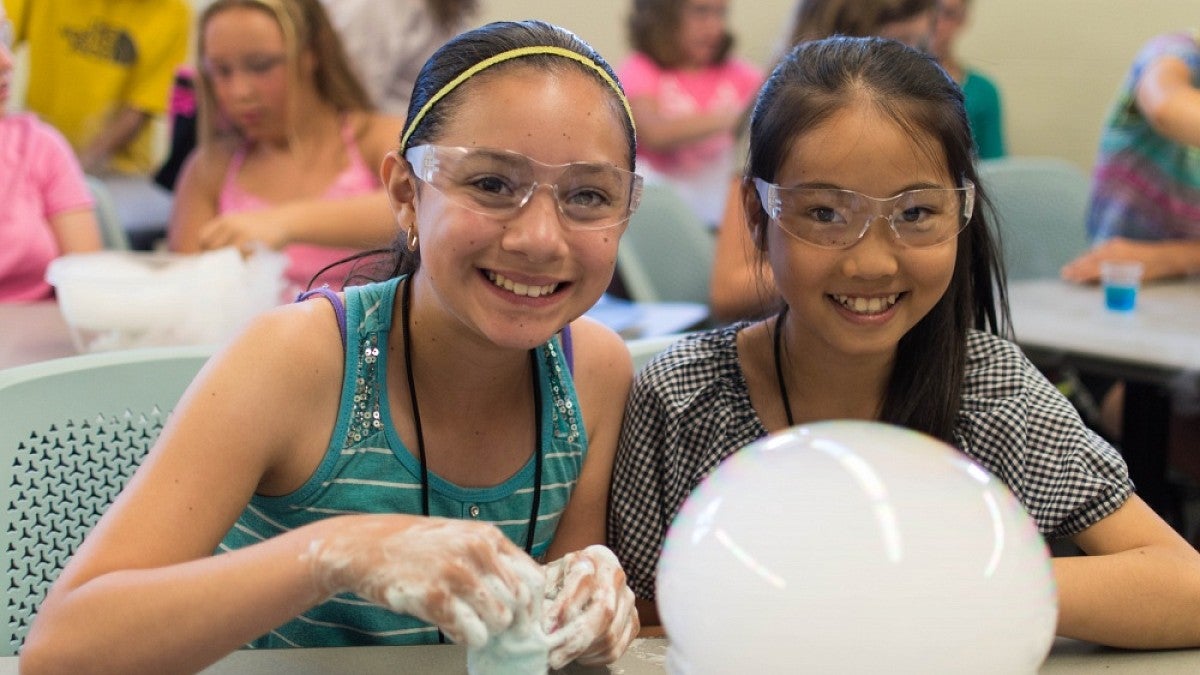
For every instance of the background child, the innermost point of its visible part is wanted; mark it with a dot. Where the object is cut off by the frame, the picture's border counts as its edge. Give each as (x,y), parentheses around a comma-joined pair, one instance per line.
(862,196)
(389,464)
(45,205)
(688,94)
(981,94)
(289,146)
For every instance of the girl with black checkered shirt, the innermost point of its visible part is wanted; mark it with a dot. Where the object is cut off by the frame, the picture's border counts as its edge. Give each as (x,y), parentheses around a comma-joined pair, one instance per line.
(861,194)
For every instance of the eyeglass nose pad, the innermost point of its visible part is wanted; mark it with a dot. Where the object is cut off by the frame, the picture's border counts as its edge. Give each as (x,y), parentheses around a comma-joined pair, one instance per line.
(870,218)
(533,187)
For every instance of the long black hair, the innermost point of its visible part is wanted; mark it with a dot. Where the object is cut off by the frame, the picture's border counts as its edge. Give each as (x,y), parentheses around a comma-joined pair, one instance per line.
(814,81)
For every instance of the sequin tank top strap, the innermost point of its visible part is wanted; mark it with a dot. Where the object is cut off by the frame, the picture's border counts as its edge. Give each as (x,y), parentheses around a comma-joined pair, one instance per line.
(368,323)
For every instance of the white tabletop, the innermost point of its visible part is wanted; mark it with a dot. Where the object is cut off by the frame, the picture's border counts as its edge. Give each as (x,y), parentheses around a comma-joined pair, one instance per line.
(645,657)
(1163,331)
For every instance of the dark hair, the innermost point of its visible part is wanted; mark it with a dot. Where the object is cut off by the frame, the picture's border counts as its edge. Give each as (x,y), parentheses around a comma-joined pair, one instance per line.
(453,59)
(816,80)
(654,31)
(817,19)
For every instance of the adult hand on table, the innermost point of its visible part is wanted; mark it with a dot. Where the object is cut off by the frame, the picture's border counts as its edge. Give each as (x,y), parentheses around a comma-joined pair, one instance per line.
(465,577)
(589,614)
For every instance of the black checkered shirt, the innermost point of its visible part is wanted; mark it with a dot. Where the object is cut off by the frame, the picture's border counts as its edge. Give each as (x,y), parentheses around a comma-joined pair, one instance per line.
(690,409)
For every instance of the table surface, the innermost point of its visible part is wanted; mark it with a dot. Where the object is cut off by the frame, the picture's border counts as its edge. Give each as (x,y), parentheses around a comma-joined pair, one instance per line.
(645,657)
(1163,331)
(35,332)
(32,332)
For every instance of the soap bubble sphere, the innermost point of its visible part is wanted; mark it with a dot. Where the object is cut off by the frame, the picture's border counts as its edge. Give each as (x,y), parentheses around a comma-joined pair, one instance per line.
(854,547)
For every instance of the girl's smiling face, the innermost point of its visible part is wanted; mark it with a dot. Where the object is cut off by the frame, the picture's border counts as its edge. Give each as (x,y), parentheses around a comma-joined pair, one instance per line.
(861,300)
(481,269)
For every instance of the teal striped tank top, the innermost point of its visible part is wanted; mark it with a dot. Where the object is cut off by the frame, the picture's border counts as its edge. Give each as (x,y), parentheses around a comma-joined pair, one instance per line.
(367,469)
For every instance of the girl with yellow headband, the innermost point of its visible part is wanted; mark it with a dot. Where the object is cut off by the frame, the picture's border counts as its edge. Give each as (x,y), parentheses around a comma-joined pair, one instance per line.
(422,457)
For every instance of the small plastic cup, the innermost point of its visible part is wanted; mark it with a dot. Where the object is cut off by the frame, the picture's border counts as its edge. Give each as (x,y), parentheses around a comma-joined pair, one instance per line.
(1121,280)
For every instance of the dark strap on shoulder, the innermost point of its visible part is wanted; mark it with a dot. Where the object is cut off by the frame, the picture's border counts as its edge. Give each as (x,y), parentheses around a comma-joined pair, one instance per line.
(338,308)
(568,349)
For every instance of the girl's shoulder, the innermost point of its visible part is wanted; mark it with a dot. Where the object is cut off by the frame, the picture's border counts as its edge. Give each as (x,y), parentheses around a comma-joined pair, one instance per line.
(598,352)
(696,361)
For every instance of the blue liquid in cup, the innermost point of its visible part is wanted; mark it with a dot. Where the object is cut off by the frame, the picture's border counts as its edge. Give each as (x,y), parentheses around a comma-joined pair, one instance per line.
(1120,298)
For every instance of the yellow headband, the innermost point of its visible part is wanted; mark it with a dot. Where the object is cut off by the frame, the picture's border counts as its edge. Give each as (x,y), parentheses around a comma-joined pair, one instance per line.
(506,56)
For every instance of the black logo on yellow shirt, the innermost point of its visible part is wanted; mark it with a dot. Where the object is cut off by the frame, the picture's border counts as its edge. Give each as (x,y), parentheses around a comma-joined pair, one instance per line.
(103,41)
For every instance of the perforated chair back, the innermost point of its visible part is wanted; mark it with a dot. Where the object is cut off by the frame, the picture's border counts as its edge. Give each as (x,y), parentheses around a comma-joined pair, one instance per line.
(72,432)
(1040,207)
(111,230)
(666,252)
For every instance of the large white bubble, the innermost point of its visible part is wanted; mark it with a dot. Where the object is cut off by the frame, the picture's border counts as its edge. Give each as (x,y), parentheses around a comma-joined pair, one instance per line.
(857,547)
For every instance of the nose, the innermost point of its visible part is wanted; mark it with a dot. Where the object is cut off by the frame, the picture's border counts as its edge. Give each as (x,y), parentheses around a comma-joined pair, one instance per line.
(536,231)
(873,256)
(238,85)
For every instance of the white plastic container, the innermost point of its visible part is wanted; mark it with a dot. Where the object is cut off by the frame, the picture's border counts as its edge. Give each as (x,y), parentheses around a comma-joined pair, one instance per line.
(125,299)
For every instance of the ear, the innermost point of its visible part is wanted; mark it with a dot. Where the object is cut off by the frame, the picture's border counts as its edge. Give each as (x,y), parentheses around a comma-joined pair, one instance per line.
(755,214)
(401,187)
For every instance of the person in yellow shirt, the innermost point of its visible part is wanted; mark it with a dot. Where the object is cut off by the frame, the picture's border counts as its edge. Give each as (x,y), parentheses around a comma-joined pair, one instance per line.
(101,71)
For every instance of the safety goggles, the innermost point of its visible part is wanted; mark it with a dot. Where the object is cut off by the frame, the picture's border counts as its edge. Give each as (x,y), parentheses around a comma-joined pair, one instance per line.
(499,183)
(832,218)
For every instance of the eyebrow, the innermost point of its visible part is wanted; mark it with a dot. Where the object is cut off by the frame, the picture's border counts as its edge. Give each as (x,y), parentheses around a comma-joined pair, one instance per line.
(833,186)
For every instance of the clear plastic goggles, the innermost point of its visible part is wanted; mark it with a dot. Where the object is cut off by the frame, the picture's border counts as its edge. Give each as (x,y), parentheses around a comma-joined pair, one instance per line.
(499,183)
(831,218)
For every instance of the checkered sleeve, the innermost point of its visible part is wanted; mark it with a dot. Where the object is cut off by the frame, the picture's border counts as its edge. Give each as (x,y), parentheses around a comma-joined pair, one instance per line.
(1023,430)
(637,521)
(688,411)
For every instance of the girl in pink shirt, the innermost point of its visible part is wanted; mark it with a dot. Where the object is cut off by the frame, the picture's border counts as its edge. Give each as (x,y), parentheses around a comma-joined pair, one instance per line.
(45,206)
(688,96)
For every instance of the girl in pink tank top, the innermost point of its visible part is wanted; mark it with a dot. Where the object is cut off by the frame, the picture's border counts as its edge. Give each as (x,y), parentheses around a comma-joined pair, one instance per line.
(288,142)
(305,260)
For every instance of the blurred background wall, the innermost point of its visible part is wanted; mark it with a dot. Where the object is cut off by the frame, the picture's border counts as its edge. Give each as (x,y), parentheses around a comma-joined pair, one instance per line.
(1057,62)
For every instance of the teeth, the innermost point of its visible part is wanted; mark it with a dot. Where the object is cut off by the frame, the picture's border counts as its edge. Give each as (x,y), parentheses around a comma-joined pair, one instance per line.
(521,289)
(860,305)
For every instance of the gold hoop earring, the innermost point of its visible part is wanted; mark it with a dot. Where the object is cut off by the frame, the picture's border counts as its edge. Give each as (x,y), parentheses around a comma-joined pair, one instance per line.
(413,238)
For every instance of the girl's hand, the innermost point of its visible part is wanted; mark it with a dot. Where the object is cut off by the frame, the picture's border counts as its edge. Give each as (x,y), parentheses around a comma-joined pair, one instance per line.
(1156,256)
(465,577)
(268,227)
(589,615)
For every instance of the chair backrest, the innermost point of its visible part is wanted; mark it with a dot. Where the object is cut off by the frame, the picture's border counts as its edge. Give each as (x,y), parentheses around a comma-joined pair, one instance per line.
(111,230)
(644,349)
(666,252)
(72,432)
(1040,208)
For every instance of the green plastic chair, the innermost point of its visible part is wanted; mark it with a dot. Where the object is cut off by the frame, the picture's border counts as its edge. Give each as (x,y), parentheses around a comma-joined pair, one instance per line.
(111,230)
(666,253)
(72,432)
(1040,207)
